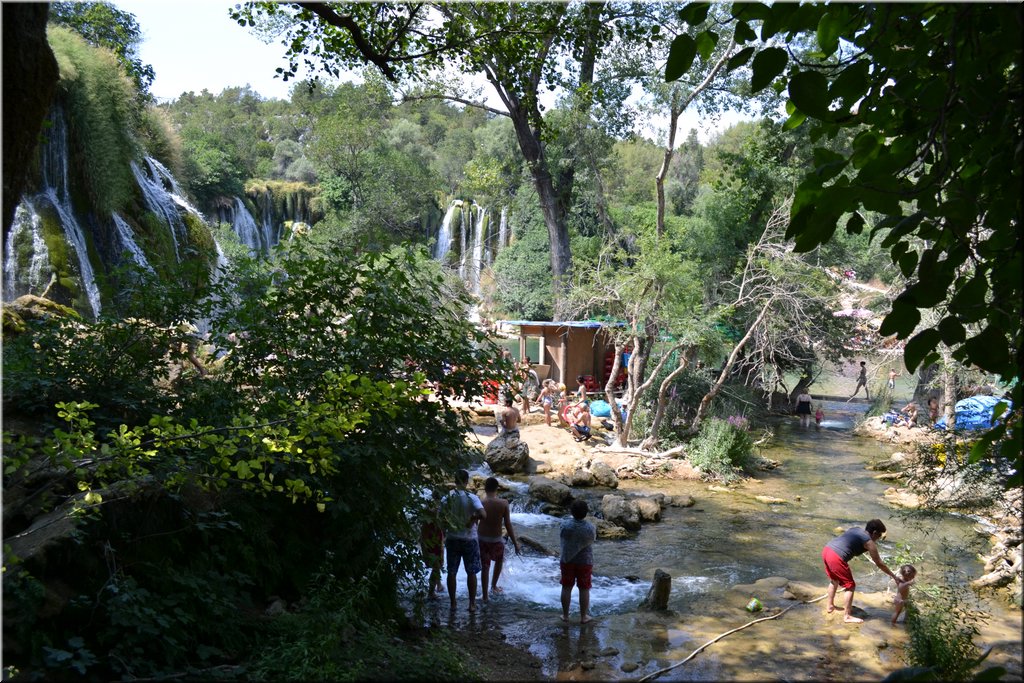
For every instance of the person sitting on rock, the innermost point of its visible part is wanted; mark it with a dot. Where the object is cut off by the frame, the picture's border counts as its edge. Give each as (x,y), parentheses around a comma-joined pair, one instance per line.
(580,423)
(508,420)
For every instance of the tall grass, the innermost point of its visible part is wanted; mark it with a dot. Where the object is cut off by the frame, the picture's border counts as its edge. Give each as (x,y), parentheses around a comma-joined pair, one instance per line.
(103,111)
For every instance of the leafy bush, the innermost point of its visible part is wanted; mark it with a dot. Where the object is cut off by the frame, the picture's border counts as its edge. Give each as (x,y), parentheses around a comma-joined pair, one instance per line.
(328,640)
(721,448)
(206,495)
(942,628)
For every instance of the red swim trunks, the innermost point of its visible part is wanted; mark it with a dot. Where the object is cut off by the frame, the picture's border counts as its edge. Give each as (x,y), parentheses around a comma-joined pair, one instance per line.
(492,551)
(578,574)
(836,569)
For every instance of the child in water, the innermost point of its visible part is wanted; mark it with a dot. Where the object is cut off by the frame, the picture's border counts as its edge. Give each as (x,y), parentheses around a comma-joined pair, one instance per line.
(906,575)
(818,417)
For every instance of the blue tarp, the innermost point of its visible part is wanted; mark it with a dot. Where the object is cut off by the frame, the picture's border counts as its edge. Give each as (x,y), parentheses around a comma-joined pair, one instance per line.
(974,412)
(599,408)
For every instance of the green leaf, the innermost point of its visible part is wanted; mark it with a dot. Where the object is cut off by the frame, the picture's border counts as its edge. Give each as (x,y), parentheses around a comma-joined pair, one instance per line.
(740,58)
(809,92)
(952,331)
(794,120)
(768,64)
(694,13)
(680,57)
(743,32)
(907,262)
(989,350)
(918,348)
(855,224)
(829,28)
(902,319)
(706,41)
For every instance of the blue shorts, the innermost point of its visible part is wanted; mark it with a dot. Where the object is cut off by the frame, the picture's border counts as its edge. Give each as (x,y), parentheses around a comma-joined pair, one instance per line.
(465,550)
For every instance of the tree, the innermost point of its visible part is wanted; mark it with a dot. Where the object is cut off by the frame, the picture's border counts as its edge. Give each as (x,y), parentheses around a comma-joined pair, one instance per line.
(520,49)
(932,93)
(104,25)
(784,307)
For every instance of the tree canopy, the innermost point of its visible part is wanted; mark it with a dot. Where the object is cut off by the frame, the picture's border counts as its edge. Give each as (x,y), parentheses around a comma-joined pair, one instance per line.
(931,94)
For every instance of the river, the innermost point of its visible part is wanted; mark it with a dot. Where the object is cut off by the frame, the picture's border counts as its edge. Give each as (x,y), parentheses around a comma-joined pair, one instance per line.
(724,540)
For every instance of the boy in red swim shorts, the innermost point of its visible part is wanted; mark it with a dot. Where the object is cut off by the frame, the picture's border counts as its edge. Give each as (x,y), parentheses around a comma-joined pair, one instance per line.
(577,559)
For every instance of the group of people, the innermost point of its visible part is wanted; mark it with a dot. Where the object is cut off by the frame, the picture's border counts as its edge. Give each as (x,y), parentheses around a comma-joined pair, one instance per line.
(470,532)
(803,409)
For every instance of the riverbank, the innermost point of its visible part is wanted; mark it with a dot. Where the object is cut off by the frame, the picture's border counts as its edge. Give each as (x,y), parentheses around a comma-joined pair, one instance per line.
(626,643)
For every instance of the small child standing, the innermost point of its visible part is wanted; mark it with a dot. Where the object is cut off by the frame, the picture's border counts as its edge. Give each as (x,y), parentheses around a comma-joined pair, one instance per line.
(818,416)
(432,546)
(547,399)
(906,574)
(577,560)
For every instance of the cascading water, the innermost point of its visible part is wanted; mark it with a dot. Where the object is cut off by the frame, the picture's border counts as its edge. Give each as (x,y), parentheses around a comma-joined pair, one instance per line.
(124,233)
(164,198)
(54,167)
(479,240)
(245,227)
(502,230)
(26,235)
(444,238)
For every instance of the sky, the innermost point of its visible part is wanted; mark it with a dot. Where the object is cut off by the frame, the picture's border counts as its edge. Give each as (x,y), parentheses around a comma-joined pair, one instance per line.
(194,44)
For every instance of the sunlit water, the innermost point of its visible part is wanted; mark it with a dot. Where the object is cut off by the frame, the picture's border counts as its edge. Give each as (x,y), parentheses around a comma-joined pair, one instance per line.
(725,539)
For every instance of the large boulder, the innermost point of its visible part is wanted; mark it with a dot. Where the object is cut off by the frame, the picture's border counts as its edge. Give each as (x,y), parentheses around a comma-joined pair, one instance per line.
(582,477)
(620,511)
(507,455)
(550,491)
(608,531)
(650,509)
(604,475)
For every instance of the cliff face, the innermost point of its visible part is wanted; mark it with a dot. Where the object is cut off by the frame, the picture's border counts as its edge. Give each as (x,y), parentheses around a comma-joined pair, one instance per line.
(29,81)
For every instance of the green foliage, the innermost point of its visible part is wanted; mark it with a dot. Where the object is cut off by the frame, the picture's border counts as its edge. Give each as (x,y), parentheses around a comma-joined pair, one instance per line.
(522,271)
(328,639)
(721,448)
(104,25)
(931,95)
(102,114)
(942,628)
(313,430)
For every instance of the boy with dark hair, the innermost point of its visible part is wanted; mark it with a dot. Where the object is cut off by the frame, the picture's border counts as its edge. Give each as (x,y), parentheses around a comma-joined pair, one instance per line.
(461,510)
(577,559)
(492,546)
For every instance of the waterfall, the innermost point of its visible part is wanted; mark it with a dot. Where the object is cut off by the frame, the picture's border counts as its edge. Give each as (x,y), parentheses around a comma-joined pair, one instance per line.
(27,227)
(463,239)
(479,238)
(444,238)
(164,198)
(76,238)
(54,166)
(502,230)
(245,227)
(268,215)
(124,232)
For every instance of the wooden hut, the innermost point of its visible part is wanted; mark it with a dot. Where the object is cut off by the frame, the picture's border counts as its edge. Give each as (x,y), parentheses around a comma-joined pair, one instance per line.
(568,349)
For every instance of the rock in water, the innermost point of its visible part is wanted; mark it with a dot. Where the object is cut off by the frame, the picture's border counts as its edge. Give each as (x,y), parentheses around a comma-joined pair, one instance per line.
(507,455)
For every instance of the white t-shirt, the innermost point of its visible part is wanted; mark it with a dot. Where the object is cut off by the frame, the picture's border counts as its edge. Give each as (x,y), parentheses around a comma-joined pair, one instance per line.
(460,504)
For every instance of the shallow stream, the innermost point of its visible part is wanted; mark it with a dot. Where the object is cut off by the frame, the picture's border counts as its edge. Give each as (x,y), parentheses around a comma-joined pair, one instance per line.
(725,539)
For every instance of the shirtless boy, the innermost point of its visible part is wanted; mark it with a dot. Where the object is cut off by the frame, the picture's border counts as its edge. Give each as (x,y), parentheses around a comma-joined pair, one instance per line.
(492,547)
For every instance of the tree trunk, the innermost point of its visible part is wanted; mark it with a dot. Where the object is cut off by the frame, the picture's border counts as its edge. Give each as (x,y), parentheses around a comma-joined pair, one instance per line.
(705,402)
(651,442)
(658,593)
(550,206)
